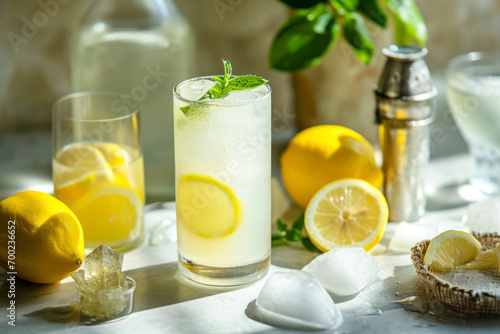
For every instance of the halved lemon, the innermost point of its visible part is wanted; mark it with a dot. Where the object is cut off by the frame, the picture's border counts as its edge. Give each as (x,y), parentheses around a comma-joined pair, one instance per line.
(206,206)
(451,249)
(346,213)
(109,214)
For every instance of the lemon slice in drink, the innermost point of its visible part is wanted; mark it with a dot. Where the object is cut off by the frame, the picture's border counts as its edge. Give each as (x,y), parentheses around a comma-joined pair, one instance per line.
(109,214)
(451,249)
(206,206)
(114,154)
(346,213)
(79,168)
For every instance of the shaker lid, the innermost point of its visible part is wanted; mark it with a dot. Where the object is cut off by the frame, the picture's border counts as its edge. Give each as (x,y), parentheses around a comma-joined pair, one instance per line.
(405,75)
(404,52)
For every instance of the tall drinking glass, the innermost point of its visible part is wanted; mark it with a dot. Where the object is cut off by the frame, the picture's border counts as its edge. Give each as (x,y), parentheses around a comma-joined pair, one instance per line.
(97,167)
(473,92)
(223,183)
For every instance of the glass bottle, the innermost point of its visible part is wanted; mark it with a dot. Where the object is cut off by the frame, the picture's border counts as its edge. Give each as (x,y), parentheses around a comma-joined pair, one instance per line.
(140,49)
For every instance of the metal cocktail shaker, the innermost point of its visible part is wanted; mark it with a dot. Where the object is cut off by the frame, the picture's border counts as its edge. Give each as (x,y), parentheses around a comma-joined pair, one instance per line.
(405,109)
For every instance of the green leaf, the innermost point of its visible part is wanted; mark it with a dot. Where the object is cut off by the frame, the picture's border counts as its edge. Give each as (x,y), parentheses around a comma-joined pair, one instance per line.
(345,6)
(218,79)
(310,246)
(277,239)
(302,3)
(282,226)
(409,24)
(304,39)
(298,224)
(356,35)
(244,82)
(228,70)
(226,84)
(186,109)
(372,11)
(216,92)
(294,235)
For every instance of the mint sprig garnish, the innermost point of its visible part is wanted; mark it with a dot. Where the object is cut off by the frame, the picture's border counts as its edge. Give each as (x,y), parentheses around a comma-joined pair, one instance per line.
(293,234)
(226,85)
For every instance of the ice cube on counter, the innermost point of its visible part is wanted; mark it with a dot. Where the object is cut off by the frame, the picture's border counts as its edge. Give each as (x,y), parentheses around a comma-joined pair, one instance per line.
(103,289)
(483,216)
(164,233)
(297,300)
(345,271)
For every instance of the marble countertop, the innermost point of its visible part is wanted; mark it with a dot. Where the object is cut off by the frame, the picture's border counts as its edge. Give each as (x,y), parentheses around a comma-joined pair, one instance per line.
(165,302)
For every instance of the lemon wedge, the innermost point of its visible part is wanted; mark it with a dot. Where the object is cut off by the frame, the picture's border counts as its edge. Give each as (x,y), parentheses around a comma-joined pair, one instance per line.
(451,249)
(487,259)
(206,206)
(109,214)
(346,213)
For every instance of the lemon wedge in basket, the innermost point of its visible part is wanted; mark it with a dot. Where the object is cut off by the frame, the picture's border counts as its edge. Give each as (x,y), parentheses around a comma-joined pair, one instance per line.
(451,249)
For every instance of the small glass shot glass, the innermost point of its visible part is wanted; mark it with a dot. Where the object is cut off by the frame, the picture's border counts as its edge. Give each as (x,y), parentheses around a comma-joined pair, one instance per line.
(106,304)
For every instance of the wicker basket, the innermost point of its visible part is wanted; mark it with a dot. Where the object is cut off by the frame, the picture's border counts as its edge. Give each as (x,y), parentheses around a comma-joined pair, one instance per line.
(459,298)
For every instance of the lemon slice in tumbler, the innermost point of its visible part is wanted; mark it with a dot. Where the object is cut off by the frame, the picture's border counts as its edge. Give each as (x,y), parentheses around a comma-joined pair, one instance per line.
(109,214)
(206,206)
(79,168)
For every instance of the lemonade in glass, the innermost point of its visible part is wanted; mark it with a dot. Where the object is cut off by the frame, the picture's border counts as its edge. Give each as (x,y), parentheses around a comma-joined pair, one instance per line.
(98,168)
(223,182)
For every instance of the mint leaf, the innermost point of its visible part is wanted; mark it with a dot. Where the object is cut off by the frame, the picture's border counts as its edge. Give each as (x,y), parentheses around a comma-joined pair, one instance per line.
(356,35)
(409,24)
(215,92)
(304,39)
(282,226)
(298,224)
(228,70)
(226,84)
(306,242)
(186,109)
(277,239)
(294,235)
(373,12)
(244,82)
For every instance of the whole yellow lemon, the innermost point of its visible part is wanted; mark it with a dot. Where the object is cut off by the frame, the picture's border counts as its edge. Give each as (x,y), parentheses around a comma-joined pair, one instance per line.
(322,154)
(40,237)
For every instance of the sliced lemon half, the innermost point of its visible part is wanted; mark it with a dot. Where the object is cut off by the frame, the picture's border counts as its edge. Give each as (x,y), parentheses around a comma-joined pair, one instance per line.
(206,206)
(346,213)
(451,249)
(109,214)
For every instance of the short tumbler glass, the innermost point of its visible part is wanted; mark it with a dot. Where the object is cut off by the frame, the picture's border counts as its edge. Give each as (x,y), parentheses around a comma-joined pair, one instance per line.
(97,167)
